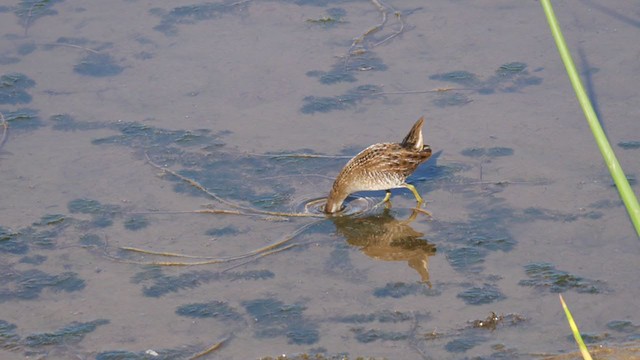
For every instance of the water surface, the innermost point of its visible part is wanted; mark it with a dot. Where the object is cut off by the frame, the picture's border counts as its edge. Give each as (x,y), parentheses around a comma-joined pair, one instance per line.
(99,97)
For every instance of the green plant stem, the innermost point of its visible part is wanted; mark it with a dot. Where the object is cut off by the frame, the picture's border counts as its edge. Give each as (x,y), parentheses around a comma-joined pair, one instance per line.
(626,193)
(576,333)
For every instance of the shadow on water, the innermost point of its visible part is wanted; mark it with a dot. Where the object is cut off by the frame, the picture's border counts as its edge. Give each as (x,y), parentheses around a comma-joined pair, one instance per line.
(587,73)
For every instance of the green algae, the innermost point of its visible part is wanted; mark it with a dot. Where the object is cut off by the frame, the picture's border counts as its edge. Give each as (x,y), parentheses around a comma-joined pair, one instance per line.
(366,336)
(323,104)
(486,294)
(22,119)
(44,239)
(51,219)
(98,65)
(629,145)
(90,206)
(91,240)
(487,152)
(20,241)
(398,290)
(81,42)
(546,276)
(325,20)
(191,14)
(459,77)
(511,69)
(70,334)
(332,77)
(102,215)
(11,242)
(273,318)
(334,16)
(509,77)
(29,284)
(33,260)
(464,344)
(224,231)
(346,70)
(136,222)
(30,10)
(214,309)
(383,316)
(451,99)
(465,258)
(9,339)
(13,89)
(139,135)
(157,283)
(66,122)
(624,326)
(351,98)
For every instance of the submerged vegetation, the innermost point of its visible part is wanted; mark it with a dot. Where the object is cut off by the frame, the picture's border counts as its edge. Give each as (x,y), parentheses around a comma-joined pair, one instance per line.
(70,335)
(273,318)
(162,284)
(28,284)
(510,77)
(349,99)
(191,14)
(215,309)
(98,65)
(13,89)
(29,11)
(334,16)
(546,276)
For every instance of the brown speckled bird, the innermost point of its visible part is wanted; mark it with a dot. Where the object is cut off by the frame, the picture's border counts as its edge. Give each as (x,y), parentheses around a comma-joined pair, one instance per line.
(381,167)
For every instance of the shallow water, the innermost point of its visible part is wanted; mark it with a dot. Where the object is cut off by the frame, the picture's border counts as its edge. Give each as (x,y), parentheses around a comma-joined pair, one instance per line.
(99,97)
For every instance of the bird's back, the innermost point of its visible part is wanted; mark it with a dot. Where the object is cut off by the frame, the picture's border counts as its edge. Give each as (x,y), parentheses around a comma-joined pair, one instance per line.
(380,167)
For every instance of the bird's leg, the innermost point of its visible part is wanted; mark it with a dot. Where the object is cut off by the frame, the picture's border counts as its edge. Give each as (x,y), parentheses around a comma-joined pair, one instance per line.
(387,197)
(419,199)
(415,193)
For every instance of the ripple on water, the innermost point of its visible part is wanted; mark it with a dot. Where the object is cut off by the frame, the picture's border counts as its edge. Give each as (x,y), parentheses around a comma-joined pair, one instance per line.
(353,205)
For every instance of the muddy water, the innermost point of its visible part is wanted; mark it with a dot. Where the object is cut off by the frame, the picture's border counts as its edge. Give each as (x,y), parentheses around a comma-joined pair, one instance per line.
(99,97)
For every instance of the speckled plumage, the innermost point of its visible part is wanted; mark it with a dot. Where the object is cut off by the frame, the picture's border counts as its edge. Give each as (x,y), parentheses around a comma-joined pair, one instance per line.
(380,167)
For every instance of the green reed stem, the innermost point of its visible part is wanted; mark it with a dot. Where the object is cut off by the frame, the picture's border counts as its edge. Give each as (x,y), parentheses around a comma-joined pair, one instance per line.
(576,333)
(627,195)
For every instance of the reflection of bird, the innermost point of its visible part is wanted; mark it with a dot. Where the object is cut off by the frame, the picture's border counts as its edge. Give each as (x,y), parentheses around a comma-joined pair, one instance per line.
(382,237)
(381,167)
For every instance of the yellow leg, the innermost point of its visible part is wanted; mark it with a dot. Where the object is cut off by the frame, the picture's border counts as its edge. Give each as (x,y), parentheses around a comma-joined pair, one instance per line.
(387,196)
(415,193)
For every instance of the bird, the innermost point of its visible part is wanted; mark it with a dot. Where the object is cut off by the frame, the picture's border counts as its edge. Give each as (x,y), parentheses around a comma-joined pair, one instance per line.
(382,166)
